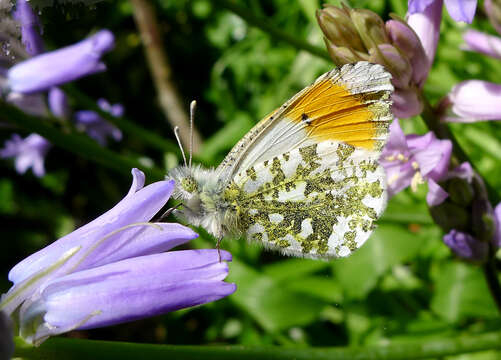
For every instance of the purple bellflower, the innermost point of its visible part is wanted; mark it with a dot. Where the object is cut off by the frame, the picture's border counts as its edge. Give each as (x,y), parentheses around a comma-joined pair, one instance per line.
(114,269)
(482,43)
(57,67)
(58,103)
(28,153)
(466,246)
(473,100)
(30,28)
(97,127)
(412,159)
(459,10)
(426,24)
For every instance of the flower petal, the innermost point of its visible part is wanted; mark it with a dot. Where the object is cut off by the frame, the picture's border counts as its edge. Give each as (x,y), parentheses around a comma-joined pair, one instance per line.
(61,66)
(58,103)
(461,10)
(426,24)
(475,100)
(30,27)
(137,288)
(436,195)
(466,246)
(483,43)
(136,207)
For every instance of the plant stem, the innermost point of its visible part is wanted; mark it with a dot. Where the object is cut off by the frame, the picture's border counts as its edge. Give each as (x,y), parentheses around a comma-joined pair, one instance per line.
(75,143)
(263,24)
(443,132)
(64,348)
(492,280)
(168,96)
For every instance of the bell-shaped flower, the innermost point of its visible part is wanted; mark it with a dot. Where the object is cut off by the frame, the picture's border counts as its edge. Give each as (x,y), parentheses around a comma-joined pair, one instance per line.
(114,269)
(412,159)
(57,67)
(473,100)
(426,25)
(97,127)
(459,10)
(28,153)
(466,246)
(482,43)
(58,103)
(30,28)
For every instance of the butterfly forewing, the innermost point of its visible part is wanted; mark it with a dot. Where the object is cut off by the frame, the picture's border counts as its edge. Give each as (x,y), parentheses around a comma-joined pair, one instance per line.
(351,104)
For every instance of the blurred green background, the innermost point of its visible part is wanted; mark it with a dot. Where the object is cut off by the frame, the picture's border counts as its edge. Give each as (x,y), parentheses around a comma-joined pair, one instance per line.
(403,285)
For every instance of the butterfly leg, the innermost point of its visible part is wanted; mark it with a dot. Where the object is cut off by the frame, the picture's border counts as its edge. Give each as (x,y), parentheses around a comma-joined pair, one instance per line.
(218,247)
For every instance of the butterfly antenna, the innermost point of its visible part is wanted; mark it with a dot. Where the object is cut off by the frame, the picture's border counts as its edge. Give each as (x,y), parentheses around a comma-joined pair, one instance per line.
(176,133)
(193,106)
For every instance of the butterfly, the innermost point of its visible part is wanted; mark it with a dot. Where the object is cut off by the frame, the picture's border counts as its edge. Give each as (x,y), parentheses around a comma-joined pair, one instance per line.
(305,180)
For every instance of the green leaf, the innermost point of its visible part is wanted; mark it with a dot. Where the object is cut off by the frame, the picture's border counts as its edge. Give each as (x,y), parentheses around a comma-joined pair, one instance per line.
(460,292)
(294,268)
(388,246)
(274,307)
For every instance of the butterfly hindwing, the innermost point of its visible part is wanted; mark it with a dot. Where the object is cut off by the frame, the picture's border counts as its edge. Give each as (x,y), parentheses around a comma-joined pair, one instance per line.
(315,201)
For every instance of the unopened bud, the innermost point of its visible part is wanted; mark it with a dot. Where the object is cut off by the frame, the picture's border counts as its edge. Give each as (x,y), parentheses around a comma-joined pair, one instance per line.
(370,27)
(395,62)
(342,55)
(466,246)
(460,191)
(405,39)
(338,27)
(450,216)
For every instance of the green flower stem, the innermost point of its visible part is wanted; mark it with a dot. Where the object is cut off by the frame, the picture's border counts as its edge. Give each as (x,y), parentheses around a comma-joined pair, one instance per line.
(443,132)
(76,143)
(492,280)
(124,124)
(64,348)
(264,25)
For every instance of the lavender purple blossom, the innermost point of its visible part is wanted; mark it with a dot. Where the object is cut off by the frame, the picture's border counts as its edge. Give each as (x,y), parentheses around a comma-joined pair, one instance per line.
(411,160)
(97,127)
(459,10)
(114,269)
(28,153)
(57,67)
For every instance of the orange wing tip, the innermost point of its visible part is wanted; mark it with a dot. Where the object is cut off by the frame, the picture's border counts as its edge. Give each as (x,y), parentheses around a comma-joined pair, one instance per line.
(351,105)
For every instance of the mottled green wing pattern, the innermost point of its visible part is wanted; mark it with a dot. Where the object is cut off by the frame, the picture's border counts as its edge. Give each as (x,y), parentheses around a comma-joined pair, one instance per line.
(317,201)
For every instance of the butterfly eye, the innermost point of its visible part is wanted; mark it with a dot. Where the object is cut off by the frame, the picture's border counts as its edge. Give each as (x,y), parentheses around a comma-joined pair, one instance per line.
(189,184)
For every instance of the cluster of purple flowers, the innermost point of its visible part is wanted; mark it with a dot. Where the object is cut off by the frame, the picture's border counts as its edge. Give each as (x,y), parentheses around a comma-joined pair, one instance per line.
(33,83)
(116,268)
(407,49)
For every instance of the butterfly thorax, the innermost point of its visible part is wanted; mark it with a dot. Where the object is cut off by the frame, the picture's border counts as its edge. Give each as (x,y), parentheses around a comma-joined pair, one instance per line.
(201,193)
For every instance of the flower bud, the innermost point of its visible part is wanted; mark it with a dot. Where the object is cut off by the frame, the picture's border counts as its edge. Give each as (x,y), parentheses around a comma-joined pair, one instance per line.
(407,41)
(393,60)
(406,103)
(466,246)
(341,55)
(493,11)
(450,216)
(370,27)
(460,191)
(338,28)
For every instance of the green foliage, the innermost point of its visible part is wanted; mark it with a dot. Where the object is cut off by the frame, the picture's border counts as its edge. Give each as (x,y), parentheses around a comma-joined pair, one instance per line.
(402,286)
